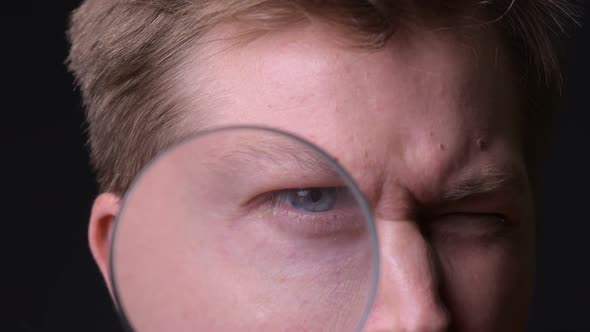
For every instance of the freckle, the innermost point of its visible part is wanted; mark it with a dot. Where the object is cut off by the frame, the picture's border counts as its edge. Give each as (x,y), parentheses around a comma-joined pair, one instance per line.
(482,144)
(442,147)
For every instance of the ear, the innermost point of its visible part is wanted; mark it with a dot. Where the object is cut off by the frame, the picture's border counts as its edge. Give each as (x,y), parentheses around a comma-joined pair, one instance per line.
(100,231)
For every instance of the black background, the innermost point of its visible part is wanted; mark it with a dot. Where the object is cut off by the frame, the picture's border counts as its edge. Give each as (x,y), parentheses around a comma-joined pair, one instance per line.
(49,282)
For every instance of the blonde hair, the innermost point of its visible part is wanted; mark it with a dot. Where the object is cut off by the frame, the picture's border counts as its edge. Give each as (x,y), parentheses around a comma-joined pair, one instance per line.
(124,53)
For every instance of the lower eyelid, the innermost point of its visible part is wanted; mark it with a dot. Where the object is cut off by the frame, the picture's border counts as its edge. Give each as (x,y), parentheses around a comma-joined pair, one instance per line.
(285,209)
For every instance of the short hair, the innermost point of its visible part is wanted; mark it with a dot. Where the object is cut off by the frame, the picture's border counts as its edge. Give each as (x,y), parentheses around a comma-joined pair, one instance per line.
(124,54)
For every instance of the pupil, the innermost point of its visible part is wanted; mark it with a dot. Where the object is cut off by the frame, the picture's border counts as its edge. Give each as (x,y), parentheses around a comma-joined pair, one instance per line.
(315,195)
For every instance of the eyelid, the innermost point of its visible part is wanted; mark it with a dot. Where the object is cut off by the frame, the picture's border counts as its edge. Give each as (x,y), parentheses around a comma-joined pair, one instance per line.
(497,205)
(458,227)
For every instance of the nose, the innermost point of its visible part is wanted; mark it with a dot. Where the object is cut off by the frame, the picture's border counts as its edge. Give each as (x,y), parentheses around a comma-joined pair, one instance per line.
(408,298)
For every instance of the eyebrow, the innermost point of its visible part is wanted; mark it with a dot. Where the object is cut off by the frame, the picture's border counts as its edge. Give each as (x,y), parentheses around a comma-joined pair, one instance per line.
(487,180)
(261,154)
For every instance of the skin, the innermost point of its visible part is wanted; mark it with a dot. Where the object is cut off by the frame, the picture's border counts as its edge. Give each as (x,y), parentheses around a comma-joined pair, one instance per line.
(427,126)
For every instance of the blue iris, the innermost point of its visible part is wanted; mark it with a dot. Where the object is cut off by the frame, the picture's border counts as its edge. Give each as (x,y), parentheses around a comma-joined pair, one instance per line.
(312,199)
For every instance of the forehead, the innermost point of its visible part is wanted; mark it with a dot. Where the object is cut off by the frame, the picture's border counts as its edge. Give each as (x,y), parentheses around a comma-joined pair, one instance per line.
(429,102)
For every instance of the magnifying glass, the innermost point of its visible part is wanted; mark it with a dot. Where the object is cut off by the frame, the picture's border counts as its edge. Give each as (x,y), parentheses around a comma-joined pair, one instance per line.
(244,229)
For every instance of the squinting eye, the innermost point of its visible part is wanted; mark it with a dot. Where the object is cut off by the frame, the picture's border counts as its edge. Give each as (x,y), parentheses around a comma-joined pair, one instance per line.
(469,225)
(310,199)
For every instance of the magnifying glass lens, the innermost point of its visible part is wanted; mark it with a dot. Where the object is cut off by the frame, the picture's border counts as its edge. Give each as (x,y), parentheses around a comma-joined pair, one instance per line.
(244,229)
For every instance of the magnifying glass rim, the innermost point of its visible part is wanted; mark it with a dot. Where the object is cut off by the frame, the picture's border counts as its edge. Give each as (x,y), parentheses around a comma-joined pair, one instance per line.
(350,183)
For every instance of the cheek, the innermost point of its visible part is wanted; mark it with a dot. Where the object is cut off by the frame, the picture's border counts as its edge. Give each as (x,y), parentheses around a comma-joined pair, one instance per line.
(258,278)
(487,286)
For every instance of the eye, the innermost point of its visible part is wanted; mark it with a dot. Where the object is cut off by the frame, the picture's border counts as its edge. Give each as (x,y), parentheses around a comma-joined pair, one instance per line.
(310,199)
(312,212)
(468,225)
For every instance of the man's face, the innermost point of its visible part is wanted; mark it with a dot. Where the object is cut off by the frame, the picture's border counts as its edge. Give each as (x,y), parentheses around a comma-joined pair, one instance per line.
(427,126)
